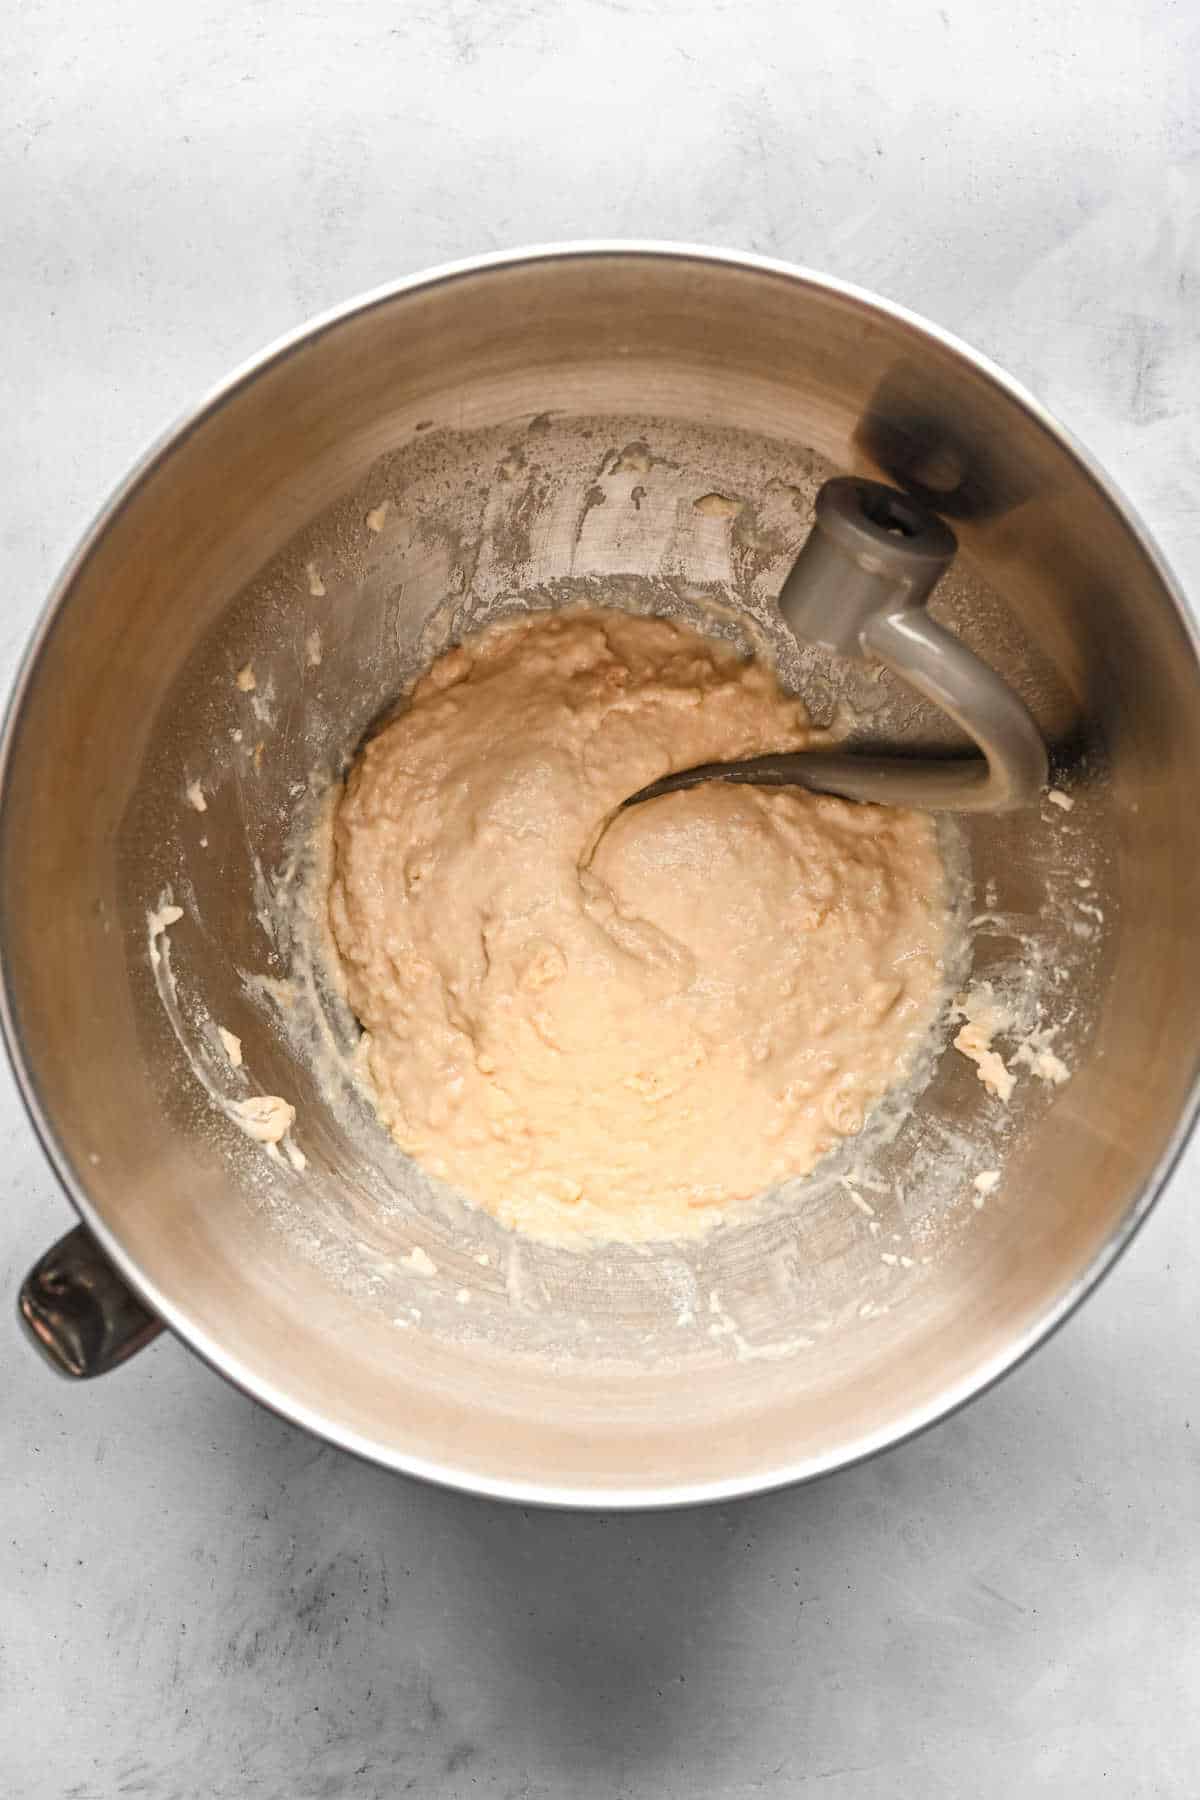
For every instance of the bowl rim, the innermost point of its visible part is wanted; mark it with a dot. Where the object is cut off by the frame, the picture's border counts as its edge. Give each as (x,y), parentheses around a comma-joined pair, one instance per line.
(174,1314)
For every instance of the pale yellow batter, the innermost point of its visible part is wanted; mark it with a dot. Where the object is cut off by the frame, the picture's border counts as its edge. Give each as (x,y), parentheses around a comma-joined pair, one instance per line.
(621,1024)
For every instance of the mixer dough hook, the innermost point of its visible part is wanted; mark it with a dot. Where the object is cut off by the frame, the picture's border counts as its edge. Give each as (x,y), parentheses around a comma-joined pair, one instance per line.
(859,588)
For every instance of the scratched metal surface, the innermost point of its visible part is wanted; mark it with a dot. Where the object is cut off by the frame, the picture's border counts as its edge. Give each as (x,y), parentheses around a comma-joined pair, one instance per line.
(199,1600)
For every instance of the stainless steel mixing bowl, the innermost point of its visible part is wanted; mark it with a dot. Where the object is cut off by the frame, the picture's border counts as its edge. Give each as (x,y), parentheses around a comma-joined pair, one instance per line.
(647,425)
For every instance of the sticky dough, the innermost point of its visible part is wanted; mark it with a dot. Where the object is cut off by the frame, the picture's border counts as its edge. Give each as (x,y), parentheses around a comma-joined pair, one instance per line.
(621,1024)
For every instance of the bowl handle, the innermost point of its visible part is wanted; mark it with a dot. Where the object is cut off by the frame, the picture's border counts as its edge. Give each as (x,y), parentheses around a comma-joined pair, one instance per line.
(82,1315)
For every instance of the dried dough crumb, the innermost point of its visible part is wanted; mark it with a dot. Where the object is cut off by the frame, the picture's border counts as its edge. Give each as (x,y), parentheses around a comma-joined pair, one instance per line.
(1036,1055)
(264,1117)
(419,1261)
(717,506)
(985,1017)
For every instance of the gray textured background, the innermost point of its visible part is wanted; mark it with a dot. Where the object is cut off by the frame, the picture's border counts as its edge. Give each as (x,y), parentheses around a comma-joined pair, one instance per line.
(196,1600)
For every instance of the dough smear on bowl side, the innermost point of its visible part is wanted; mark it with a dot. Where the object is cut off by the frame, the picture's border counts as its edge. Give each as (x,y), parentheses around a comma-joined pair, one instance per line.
(621,1025)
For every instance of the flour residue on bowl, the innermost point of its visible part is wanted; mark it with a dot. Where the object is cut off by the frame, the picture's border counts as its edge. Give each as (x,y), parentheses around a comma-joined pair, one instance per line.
(266,1119)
